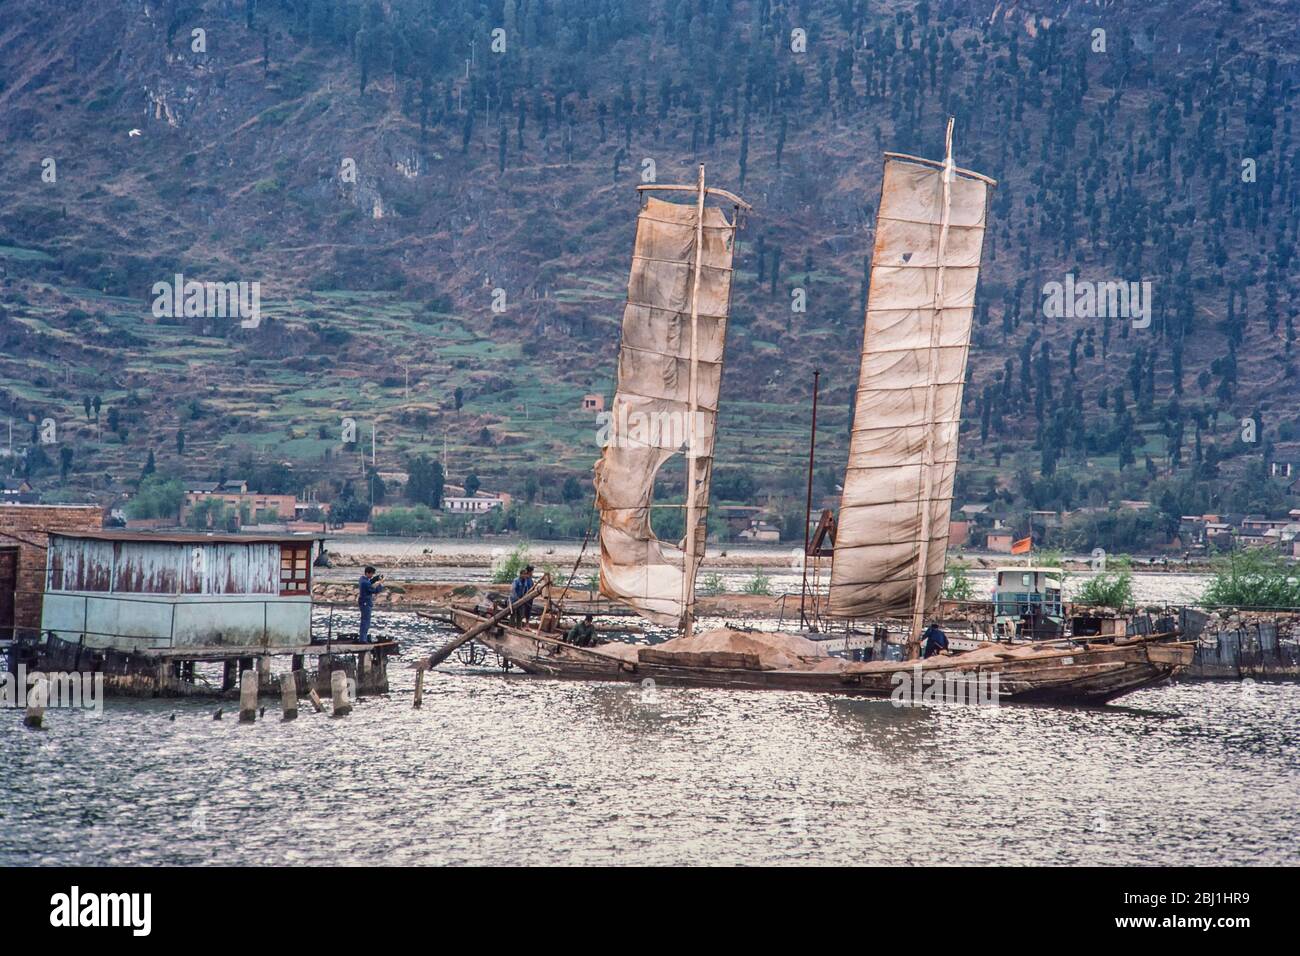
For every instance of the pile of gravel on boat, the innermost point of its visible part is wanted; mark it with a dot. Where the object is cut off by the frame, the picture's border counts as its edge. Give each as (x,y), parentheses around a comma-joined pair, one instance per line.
(767,650)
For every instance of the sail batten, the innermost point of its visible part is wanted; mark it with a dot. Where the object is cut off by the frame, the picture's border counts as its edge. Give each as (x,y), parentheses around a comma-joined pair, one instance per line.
(669,378)
(892,530)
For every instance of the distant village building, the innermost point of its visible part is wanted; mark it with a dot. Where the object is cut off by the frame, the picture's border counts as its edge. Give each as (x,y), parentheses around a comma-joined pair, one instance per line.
(24,534)
(593,403)
(257,507)
(760,531)
(1255,525)
(999,542)
(476,504)
(739,517)
(17,490)
(140,592)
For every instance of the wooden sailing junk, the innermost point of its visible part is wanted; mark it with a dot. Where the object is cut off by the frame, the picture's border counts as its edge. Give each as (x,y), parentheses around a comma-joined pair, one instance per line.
(891,536)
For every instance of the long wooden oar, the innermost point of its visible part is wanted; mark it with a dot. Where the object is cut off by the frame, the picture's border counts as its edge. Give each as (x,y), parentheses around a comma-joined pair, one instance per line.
(444,652)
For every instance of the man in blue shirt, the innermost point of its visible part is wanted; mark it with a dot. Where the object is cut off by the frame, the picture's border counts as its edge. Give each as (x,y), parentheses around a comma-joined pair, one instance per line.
(523,584)
(935,641)
(368,586)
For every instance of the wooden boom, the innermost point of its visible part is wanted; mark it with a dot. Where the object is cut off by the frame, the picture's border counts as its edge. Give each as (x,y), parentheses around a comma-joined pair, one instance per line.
(444,652)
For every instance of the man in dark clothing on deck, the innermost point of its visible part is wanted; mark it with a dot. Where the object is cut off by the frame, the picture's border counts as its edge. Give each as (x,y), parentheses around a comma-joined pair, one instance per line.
(582,634)
(523,584)
(368,587)
(935,641)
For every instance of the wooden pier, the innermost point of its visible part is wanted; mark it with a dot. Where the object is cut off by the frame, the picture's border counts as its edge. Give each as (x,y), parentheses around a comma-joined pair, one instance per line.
(170,671)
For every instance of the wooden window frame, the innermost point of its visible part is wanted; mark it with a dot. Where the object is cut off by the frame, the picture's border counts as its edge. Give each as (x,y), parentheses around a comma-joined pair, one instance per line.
(295,561)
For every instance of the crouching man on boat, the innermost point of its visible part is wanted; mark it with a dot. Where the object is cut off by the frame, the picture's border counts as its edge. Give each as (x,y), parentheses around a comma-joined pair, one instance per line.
(582,634)
(935,641)
(368,587)
(523,584)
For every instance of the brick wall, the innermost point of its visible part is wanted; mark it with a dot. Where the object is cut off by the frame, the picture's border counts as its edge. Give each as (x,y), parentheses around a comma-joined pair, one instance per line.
(26,527)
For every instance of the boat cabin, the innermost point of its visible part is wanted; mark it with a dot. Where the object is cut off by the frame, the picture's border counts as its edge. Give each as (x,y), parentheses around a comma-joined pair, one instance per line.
(134,591)
(1027,603)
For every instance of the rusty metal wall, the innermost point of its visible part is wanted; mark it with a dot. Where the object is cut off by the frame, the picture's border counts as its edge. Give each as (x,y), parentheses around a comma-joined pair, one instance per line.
(80,564)
(146,567)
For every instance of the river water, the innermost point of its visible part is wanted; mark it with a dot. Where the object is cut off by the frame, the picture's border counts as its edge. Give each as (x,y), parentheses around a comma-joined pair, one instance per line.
(517,770)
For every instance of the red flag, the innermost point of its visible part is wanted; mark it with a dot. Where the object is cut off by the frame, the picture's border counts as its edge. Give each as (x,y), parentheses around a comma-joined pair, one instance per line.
(1023,546)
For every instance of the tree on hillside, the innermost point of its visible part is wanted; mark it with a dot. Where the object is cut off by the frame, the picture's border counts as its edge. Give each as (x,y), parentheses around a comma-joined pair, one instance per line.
(65,462)
(425,481)
(156,498)
(180,441)
(149,466)
(471,485)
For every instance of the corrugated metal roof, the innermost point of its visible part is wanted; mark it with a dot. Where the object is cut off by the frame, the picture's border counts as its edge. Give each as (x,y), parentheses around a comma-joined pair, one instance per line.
(162,537)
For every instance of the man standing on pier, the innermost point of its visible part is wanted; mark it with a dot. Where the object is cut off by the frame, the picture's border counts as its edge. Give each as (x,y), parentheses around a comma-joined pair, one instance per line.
(368,586)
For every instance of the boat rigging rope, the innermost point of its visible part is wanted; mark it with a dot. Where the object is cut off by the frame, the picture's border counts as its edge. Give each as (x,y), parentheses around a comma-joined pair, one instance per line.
(585,540)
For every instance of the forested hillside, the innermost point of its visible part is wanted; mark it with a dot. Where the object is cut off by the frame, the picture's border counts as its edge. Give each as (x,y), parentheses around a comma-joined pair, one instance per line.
(438,201)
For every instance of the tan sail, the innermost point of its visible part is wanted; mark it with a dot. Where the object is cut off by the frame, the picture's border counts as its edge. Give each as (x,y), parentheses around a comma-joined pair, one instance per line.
(669,372)
(892,530)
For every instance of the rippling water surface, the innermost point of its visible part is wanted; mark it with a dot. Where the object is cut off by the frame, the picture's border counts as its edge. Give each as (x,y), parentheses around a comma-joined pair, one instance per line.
(500,769)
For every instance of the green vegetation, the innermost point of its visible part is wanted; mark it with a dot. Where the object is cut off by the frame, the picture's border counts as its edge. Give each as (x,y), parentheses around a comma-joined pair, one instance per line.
(407,521)
(156,498)
(957,585)
(1254,577)
(713,584)
(1112,587)
(760,583)
(508,567)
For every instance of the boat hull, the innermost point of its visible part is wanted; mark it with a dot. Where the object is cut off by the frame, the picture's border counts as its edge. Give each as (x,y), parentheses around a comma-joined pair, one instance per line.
(1091,674)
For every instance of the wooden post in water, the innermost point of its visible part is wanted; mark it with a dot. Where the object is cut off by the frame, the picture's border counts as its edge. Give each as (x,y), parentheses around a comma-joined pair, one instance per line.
(37,698)
(419,683)
(315,699)
(339,691)
(288,696)
(248,696)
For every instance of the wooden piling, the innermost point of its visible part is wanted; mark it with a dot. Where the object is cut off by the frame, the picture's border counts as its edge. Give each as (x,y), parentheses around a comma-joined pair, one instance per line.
(288,696)
(248,696)
(419,684)
(37,698)
(315,699)
(339,692)
(229,673)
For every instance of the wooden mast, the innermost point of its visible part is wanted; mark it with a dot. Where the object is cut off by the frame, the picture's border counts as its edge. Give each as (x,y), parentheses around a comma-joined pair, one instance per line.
(927,458)
(807,511)
(692,449)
